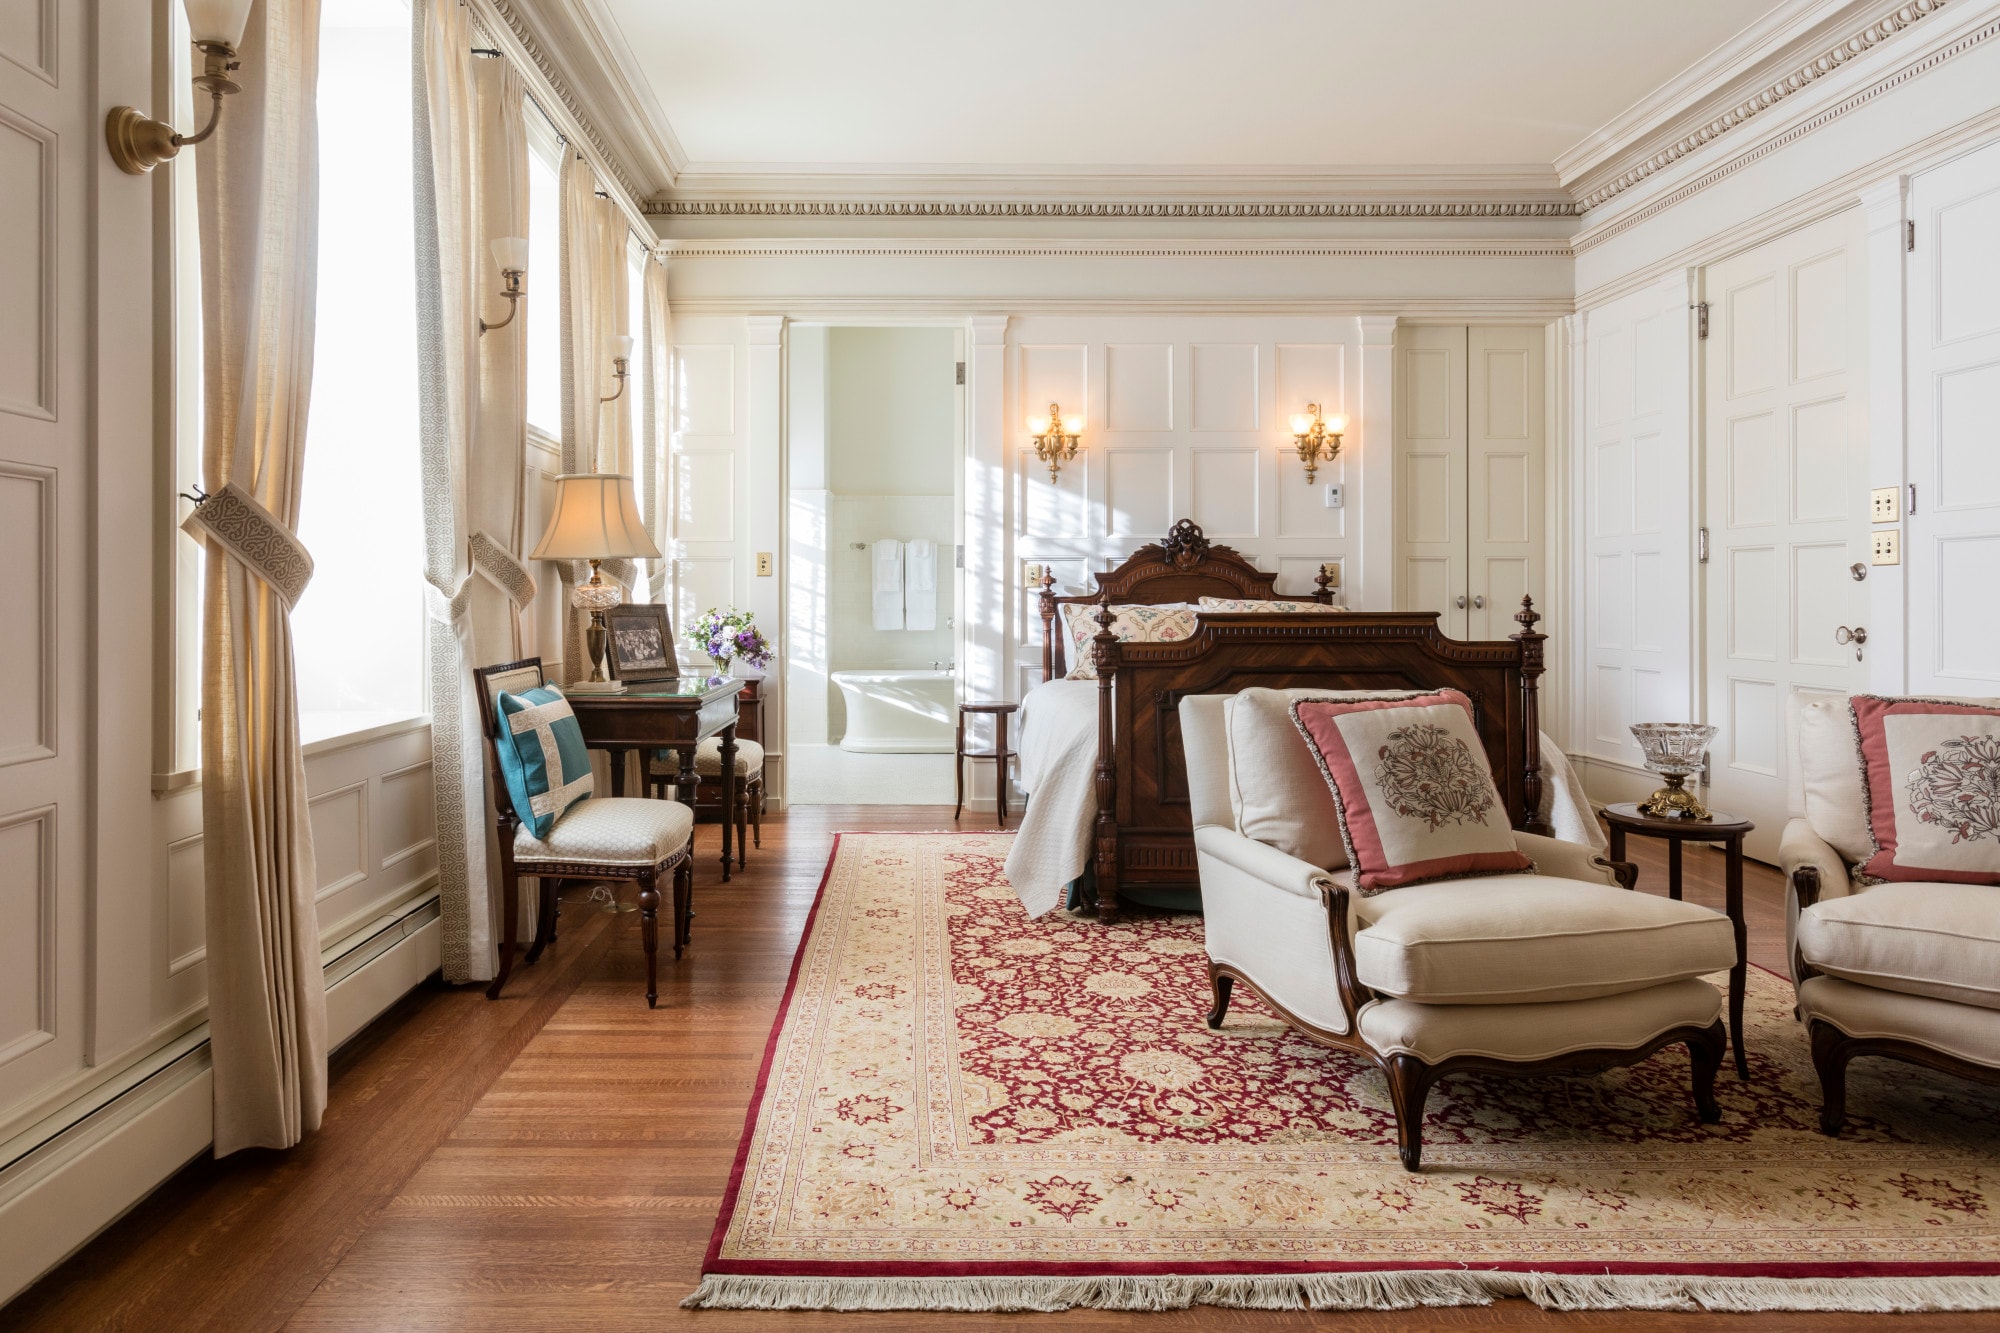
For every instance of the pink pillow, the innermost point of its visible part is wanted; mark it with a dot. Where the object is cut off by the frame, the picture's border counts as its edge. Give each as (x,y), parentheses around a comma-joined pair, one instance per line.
(1412,788)
(1931,777)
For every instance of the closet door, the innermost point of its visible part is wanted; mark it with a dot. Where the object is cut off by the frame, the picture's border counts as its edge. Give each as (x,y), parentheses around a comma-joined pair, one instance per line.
(1952,547)
(1505,536)
(1431,474)
(1785,502)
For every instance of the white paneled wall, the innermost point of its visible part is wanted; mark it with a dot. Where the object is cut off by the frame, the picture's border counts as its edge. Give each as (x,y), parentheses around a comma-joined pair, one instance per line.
(1634,526)
(1185,417)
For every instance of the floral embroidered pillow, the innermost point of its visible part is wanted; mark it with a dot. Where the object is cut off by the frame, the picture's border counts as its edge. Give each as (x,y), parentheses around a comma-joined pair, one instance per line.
(1130,624)
(1930,771)
(1412,789)
(1235,606)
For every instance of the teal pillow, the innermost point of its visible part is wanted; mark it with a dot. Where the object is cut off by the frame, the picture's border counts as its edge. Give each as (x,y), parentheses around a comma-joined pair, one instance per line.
(542,756)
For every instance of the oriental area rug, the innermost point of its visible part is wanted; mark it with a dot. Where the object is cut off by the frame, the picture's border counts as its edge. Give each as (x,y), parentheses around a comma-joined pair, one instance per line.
(963,1109)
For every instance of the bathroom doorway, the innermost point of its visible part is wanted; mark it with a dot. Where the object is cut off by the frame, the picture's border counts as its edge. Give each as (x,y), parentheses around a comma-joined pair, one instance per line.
(875,439)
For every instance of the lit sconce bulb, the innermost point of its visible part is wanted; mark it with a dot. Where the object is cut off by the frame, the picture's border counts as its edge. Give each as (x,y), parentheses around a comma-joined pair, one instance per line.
(1038,425)
(1337,424)
(1072,425)
(1302,422)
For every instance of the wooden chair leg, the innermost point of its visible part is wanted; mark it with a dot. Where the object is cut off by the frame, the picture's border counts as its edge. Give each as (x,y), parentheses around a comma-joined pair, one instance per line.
(1409,1088)
(757,815)
(684,900)
(958,768)
(1830,1057)
(1706,1056)
(742,822)
(510,912)
(1219,984)
(546,891)
(649,930)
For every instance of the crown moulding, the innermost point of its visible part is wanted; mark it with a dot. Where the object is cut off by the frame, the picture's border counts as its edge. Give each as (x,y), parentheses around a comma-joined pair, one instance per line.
(913,208)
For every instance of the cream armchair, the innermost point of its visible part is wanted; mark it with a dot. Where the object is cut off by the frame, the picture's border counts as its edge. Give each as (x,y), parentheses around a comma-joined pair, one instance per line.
(1518,974)
(1905,971)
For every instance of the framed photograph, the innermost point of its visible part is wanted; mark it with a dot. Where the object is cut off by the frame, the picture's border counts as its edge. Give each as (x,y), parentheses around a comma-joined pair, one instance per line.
(642,642)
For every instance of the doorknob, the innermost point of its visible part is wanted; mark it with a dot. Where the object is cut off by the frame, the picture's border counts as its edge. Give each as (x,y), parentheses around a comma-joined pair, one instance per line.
(1479,602)
(1460,603)
(1856,636)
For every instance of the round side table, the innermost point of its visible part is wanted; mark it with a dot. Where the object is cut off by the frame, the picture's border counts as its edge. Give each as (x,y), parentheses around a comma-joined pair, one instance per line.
(1000,754)
(1726,830)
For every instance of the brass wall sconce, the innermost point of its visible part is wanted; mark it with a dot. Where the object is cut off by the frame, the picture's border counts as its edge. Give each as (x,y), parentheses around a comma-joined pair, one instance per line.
(511,254)
(1318,440)
(621,365)
(1056,437)
(139,143)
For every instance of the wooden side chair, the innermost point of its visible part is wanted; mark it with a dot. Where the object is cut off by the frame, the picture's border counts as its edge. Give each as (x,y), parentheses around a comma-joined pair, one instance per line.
(663,771)
(600,838)
(1002,756)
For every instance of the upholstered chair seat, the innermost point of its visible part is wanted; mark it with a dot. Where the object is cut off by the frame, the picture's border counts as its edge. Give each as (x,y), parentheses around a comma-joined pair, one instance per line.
(1941,940)
(708,760)
(1565,968)
(610,830)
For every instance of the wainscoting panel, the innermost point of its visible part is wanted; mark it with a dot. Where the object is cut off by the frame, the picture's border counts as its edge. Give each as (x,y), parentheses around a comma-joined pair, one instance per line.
(27,647)
(710,474)
(704,390)
(340,838)
(1223,496)
(1139,386)
(1139,499)
(1224,383)
(1310,373)
(27,267)
(27,932)
(1058,374)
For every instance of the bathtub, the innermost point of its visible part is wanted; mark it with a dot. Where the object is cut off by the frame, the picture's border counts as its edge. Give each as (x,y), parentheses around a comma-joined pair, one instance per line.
(899,712)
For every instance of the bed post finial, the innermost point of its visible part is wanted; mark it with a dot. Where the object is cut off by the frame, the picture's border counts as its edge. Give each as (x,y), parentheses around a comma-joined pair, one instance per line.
(1531,640)
(1048,624)
(1104,656)
(1323,582)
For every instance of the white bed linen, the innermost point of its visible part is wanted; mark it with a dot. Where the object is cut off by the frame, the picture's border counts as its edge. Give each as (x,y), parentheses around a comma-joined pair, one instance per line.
(1058,730)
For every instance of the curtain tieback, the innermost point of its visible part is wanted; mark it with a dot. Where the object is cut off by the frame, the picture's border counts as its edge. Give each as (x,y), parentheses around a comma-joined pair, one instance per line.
(233,519)
(500,567)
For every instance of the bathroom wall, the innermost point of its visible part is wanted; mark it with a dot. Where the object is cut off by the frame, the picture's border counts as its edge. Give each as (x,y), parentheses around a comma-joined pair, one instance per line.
(890,428)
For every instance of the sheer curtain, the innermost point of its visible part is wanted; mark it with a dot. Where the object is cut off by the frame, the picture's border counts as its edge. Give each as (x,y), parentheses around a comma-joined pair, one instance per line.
(470,187)
(257,195)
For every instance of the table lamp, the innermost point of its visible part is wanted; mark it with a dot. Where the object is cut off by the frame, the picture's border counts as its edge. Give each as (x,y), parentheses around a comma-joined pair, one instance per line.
(596,518)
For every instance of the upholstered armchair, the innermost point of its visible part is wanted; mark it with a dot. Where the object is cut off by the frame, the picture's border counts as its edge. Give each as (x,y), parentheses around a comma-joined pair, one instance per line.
(1563,969)
(1907,970)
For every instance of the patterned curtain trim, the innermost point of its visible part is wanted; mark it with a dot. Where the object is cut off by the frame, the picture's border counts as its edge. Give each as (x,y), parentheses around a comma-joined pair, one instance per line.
(233,520)
(491,558)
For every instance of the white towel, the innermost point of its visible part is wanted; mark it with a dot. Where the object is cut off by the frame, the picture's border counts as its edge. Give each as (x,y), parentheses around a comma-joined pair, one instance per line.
(920,597)
(886,558)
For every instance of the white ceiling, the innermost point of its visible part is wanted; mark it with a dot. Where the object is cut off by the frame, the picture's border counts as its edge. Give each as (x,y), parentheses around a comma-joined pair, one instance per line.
(1162,85)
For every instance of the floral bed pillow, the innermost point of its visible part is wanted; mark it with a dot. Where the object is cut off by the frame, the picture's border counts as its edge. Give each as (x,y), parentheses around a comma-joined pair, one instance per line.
(1412,789)
(1245,606)
(1130,624)
(1930,771)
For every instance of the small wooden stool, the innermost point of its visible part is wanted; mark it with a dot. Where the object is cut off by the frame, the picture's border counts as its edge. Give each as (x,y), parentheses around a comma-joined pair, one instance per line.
(999,752)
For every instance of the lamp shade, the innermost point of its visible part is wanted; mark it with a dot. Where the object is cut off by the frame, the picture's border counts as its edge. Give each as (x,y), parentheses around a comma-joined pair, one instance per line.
(511,253)
(218,20)
(596,518)
(621,347)
(1302,423)
(1337,423)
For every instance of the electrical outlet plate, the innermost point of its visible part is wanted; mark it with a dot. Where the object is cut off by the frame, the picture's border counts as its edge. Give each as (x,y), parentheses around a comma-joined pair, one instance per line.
(1886,548)
(763,564)
(1031,576)
(1882,504)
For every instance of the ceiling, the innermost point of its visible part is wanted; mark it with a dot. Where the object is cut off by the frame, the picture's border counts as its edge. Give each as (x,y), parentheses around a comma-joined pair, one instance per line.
(890,86)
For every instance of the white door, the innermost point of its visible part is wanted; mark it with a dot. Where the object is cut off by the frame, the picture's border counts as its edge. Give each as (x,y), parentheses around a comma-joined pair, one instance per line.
(1505,537)
(1952,546)
(1785,503)
(1430,474)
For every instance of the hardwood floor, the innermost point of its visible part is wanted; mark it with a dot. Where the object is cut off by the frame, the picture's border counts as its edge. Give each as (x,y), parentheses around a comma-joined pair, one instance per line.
(554,1160)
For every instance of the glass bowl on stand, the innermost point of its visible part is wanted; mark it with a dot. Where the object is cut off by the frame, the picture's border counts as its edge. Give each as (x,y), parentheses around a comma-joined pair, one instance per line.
(1674,750)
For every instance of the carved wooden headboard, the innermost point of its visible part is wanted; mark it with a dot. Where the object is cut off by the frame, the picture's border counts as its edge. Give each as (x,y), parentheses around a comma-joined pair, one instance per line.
(1181,567)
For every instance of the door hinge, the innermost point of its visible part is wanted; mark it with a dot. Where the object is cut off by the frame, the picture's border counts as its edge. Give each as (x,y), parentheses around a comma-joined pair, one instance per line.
(1701,545)
(1909,234)
(961,372)
(1701,320)
(1913,497)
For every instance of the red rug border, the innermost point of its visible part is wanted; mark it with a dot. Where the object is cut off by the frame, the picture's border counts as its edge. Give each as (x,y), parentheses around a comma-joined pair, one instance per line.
(713,1263)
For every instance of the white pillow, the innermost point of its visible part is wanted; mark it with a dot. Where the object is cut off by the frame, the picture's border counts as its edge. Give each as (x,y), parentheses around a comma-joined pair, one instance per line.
(1830,775)
(1276,792)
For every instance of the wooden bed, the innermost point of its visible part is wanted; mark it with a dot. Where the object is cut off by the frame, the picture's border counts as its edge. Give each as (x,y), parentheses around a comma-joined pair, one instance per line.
(1144,834)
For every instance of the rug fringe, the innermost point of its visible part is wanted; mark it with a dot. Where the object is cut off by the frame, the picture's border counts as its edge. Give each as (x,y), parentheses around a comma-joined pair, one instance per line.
(1379,1290)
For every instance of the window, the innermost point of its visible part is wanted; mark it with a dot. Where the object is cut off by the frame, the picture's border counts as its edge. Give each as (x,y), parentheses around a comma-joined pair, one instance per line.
(358,632)
(544,276)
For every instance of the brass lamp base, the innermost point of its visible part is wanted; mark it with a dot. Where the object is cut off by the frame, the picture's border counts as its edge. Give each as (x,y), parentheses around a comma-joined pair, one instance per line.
(1674,801)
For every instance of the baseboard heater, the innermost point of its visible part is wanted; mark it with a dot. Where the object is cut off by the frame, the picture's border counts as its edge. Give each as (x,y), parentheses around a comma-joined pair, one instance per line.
(74,1173)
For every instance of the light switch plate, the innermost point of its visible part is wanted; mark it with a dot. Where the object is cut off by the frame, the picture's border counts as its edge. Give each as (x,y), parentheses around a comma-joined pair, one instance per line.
(1332,496)
(763,564)
(1031,576)
(1886,547)
(1882,504)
